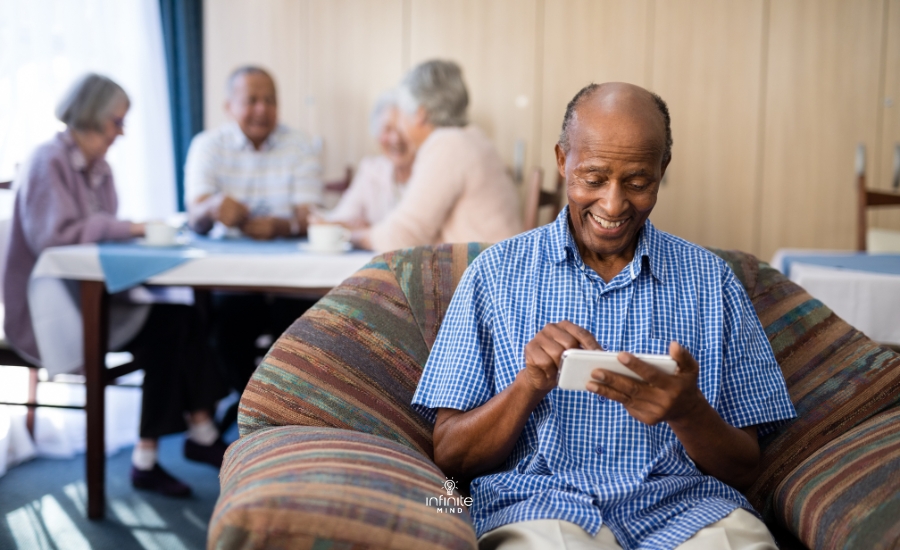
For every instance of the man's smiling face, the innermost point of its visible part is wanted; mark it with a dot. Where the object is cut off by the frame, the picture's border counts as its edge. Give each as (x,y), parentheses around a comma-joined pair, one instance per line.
(612,169)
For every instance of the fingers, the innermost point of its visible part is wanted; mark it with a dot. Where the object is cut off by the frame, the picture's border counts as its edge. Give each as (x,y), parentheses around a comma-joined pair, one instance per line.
(584,338)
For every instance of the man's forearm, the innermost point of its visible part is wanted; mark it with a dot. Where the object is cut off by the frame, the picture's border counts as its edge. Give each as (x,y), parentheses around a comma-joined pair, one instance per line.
(727,453)
(200,214)
(469,443)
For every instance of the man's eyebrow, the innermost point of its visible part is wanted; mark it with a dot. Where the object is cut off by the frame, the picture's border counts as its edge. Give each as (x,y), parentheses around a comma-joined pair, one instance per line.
(593,168)
(640,172)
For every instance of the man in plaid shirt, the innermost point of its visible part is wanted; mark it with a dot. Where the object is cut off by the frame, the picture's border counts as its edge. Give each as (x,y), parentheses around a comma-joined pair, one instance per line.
(629,464)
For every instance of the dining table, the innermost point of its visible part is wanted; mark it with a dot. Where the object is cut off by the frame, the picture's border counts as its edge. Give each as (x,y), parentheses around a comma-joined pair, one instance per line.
(73,332)
(862,288)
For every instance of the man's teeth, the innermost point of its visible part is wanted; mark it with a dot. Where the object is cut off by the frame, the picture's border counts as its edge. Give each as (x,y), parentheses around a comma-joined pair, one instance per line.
(606,224)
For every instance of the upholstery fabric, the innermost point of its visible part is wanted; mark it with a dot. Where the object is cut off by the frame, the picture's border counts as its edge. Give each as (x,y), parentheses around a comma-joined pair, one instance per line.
(847,494)
(299,487)
(353,361)
(836,376)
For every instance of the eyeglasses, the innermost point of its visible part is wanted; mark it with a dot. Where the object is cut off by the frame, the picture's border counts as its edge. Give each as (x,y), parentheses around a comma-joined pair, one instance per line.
(119,122)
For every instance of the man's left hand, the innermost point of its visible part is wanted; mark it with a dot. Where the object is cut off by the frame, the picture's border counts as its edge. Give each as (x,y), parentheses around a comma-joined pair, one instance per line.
(660,396)
(266,228)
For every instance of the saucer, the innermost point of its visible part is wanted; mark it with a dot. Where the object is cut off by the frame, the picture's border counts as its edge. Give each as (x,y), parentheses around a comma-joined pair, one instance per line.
(181,240)
(307,247)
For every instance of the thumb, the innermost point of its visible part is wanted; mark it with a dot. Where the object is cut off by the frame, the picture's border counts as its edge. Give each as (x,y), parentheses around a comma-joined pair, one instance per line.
(686,361)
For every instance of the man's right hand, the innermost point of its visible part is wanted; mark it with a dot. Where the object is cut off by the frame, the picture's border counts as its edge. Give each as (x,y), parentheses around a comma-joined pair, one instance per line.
(231,212)
(544,352)
(476,441)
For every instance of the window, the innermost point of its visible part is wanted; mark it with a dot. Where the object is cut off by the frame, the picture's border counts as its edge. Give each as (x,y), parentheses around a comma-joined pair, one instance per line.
(46,44)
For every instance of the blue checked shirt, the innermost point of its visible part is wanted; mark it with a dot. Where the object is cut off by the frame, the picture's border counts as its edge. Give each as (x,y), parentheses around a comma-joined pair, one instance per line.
(582,458)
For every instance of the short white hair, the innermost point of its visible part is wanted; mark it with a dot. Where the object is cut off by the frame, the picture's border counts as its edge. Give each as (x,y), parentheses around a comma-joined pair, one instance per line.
(438,87)
(88,102)
(384,103)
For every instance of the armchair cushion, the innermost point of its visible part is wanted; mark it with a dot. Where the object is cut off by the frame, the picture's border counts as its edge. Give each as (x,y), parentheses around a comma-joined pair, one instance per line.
(847,494)
(299,487)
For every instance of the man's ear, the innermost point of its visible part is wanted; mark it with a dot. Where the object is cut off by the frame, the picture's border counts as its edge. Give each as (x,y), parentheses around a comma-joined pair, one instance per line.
(561,161)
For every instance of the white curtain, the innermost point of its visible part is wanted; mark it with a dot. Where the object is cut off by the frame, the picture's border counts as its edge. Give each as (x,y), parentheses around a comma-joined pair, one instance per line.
(46,44)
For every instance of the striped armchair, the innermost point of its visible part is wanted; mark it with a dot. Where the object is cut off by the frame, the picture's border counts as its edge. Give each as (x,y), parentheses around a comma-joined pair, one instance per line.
(332,455)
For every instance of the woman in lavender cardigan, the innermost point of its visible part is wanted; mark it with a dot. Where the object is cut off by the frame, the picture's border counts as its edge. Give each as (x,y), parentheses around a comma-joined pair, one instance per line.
(65,195)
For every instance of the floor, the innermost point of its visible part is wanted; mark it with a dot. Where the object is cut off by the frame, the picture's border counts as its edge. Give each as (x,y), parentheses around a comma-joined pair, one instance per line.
(42,506)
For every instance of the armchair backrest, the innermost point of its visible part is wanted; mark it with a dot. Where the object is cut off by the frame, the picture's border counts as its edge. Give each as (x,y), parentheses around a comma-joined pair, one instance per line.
(354,359)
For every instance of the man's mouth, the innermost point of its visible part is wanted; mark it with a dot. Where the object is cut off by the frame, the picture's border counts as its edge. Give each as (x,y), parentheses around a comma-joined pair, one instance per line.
(606,224)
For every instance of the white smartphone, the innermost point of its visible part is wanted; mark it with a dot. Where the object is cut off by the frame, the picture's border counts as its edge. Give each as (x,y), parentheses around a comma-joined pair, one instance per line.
(577,365)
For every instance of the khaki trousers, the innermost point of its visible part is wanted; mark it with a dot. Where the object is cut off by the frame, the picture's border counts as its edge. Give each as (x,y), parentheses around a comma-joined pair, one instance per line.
(740,530)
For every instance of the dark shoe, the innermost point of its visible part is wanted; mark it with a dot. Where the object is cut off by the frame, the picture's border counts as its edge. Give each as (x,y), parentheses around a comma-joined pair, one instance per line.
(160,481)
(209,454)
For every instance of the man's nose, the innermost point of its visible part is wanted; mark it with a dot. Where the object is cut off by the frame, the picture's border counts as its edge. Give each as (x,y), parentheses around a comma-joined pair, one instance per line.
(614,201)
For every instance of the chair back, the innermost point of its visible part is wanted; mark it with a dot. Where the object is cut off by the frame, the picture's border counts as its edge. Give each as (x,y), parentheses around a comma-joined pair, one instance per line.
(537,198)
(870,198)
(338,186)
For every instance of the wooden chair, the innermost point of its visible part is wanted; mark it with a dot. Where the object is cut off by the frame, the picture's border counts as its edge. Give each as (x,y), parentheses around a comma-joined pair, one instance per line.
(537,198)
(869,198)
(341,185)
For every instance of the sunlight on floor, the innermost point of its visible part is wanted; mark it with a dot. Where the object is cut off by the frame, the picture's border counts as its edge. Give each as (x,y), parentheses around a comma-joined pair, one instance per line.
(34,525)
(44,525)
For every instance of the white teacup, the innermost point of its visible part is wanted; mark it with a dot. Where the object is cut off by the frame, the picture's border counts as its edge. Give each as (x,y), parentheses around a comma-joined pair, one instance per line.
(160,234)
(328,237)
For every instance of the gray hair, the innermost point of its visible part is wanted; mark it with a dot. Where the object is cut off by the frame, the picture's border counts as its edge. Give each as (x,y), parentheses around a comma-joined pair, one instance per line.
(89,101)
(437,86)
(242,71)
(384,103)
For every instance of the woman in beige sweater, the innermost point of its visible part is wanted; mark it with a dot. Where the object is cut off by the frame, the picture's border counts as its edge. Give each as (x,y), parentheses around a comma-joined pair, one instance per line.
(459,190)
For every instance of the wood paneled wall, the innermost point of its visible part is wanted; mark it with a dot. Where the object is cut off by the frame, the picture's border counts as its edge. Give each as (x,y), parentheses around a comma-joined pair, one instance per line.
(768,98)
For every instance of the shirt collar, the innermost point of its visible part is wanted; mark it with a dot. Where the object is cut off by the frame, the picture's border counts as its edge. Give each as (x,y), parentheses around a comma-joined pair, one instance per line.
(240,141)
(97,172)
(562,244)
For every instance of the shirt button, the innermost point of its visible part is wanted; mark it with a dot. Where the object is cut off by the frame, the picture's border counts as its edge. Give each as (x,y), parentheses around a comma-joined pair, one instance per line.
(599,449)
(600,397)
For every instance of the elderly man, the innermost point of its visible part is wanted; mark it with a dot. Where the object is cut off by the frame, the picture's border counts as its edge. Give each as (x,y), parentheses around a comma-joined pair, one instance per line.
(654,464)
(252,174)
(260,178)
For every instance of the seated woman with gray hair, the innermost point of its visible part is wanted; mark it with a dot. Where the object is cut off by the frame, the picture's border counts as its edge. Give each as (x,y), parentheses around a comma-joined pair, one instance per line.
(65,195)
(380,180)
(459,189)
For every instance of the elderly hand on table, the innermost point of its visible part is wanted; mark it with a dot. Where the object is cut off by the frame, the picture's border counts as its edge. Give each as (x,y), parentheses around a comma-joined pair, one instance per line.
(231,212)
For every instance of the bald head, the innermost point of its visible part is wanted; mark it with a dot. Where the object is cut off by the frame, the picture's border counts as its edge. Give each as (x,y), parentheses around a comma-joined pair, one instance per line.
(619,99)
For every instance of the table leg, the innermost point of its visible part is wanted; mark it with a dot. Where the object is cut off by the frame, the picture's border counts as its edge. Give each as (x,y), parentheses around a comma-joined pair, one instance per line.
(95,317)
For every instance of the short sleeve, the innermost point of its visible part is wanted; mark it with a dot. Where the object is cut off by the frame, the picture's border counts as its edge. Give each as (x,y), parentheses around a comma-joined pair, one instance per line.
(459,371)
(754,392)
(199,169)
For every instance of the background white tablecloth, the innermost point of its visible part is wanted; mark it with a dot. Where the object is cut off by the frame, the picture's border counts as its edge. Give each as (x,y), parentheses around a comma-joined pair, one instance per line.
(57,318)
(868,301)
